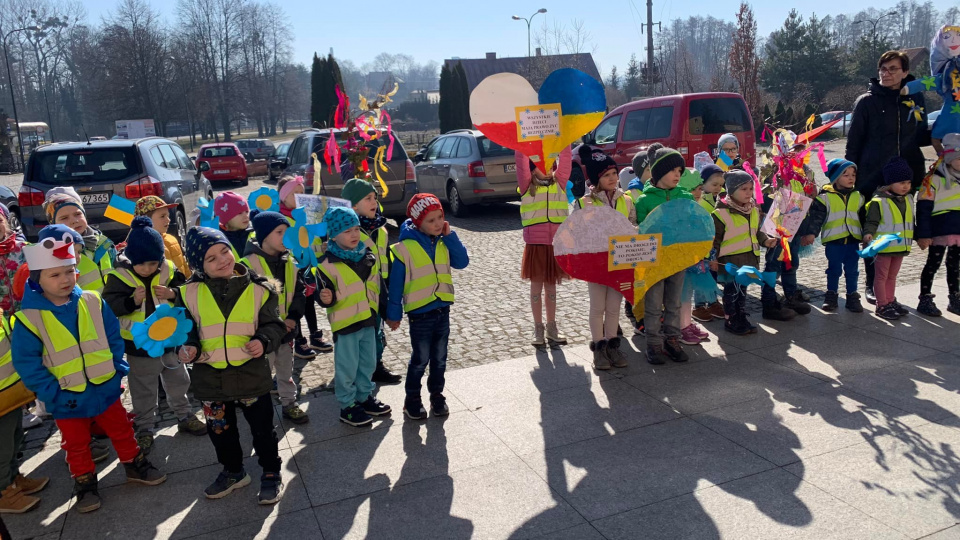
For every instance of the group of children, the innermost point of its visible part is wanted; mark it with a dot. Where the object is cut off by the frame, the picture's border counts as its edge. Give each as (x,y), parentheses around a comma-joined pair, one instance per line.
(844,219)
(70,340)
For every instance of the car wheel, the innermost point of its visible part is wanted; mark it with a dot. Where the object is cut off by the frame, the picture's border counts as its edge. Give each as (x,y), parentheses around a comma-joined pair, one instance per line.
(14,221)
(245,181)
(457,208)
(180,222)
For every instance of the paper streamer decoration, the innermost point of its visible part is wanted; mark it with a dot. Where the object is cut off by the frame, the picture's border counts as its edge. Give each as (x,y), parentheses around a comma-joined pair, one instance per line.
(879,244)
(809,136)
(749,275)
(539,125)
(300,238)
(120,210)
(166,328)
(317,177)
(264,199)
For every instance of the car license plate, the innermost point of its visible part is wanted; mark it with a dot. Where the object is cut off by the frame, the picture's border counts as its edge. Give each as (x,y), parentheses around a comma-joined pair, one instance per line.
(95,198)
(510,168)
(222,171)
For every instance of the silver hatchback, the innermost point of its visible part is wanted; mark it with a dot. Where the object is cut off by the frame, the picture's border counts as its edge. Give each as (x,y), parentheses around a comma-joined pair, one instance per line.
(464,168)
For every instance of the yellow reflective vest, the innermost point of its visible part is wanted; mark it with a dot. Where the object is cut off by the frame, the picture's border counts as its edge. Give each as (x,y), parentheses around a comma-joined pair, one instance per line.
(355,297)
(13,393)
(623,203)
(126,275)
(425,280)
(740,235)
(289,284)
(92,275)
(222,339)
(946,195)
(379,248)
(893,222)
(843,218)
(73,362)
(546,204)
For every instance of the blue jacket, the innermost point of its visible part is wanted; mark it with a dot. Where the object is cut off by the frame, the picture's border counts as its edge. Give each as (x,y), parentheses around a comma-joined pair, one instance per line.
(28,361)
(398,272)
(635,184)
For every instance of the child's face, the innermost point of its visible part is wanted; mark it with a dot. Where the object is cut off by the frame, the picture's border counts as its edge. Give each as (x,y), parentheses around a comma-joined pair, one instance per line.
(432,225)
(72,217)
(161,220)
(901,188)
(367,207)
(290,201)
(239,222)
(743,194)
(697,192)
(671,179)
(58,283)
(730,149)
(955,164)
(713,184)
(219,261)
(273,243)
(609,180)
(349,239)
(848,179)
(146,269)
(4,227)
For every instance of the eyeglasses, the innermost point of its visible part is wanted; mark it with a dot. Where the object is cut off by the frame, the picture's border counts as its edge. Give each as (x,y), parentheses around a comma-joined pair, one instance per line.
(890,70)
(729,148)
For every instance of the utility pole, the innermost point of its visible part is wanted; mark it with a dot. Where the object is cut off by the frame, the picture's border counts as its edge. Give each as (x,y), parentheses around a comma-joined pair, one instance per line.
(650,24)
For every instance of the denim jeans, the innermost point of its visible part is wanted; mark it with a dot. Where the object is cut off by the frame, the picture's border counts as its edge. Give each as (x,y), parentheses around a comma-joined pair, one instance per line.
(842,259)
(429,333)
(788,278)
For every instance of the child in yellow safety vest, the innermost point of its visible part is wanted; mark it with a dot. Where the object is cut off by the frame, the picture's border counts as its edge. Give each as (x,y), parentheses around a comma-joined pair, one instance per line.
(142,280)
(835,215)
(96,254)
(236,325)
(158,211)
(268,258)
(737,241)
(68,350)
(373,234)
(890,211)
(421,285)
(712,176)
(938,226)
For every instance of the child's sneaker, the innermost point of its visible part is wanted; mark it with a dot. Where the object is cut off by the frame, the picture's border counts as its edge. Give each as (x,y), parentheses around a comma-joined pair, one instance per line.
(656,355)
(554,335)
(689,336)
(701,333)
(830,301)
(85,490)
(30,420)
(438,405)
(600,359)
(318,343)
(295,414)
(538,335)
(901,309)
(776,312)
(716,309)
(355,416)
(271,488)
(888,312)
(29,486)
(226,483)
(870,296)
(300,350)
(143,472)
(192,425)
(797,303)
(145,442)
(672,347)
(954,305)
(738,326)
(413,408)
(927,306)
(375,407)
(383,375)
(15,501)
(702,314)
(853,303)
(614,355)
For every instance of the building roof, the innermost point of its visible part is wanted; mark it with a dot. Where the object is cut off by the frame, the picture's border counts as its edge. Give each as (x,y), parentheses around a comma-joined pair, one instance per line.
(918,56)
(534,68)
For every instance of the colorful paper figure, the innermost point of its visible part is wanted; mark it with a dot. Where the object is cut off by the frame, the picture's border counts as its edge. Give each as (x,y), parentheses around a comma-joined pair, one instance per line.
(316,206)
(264,199)
(879,244)
(749,275)
(120,210)
(166,328)
(300,238)
(207,217)
(507,109)
(944,78)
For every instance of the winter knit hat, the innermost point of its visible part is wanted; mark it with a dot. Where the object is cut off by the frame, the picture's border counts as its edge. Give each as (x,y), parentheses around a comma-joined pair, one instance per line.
(709,171)
(596,163)
(736,178)
(836,166)
(420,206)
(60,197)
(897,170)
(288,187)
(951,147)
(199,241)
(662,160)
(640,162)
(265,223)
(143,243)
(690,180)
(229,205)
(339,219)
(150,204)
(728,138)
(355,189)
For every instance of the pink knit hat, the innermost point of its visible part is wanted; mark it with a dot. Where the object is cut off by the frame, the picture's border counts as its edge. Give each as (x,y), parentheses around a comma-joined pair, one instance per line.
(290,186)
(229,205)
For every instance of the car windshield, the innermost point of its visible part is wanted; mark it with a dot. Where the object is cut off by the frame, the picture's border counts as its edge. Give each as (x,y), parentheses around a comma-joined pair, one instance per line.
(87,165)
(223,151)
(717,116)
(489,148)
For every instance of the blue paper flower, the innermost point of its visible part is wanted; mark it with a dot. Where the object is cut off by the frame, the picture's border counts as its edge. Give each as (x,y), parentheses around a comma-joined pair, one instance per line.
(264,199)
(299,238)
(165,329)
(207,218)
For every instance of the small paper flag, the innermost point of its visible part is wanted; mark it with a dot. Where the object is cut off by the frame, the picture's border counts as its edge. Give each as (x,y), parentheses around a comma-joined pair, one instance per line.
(724,161)
(120,210)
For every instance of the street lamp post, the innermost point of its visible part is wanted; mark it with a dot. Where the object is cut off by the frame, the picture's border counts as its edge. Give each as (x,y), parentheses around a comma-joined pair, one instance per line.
(875,22)
(529,20)
(13,99)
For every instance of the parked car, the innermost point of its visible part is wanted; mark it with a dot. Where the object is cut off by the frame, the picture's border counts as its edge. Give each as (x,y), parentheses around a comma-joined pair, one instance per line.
(226,163)
(828,117)
(465,168)
(256,148)
(690,123)
(273,173)
(98,138)
(932,118)
(400,177)
(100,170)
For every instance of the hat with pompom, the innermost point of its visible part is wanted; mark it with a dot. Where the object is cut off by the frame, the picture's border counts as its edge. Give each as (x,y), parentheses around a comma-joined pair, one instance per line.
(595,162)
(144,243)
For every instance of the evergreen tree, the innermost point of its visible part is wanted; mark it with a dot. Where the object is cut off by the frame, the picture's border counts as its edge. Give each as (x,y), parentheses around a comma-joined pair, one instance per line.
(779,114)
(446,98)
(613,81)
(785,55)
(316,86)
(463,118)
(631,80)
(821,67)
(744,62)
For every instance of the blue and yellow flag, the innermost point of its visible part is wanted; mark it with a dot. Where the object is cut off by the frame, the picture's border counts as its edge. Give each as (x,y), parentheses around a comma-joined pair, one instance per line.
(120,210)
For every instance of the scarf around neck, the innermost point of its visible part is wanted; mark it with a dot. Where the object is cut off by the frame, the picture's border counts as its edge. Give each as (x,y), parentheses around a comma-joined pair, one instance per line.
(744,209)
(353,255)
(371,224)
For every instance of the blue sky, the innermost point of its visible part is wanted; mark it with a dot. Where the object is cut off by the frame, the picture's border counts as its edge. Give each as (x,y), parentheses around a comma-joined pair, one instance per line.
(434,30)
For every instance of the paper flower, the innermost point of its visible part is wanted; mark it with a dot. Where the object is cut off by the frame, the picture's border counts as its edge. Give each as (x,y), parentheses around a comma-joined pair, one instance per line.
(207,218)
(264,199)
(166,328)
(300,237)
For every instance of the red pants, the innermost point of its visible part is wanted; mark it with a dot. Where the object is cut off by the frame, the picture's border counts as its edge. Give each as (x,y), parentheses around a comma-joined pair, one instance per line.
(885,280)
(75,438)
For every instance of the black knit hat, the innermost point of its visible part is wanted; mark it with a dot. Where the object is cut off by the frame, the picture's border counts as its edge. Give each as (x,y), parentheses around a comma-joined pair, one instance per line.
(595,162)
(663,160)
(640,162)
(897,170)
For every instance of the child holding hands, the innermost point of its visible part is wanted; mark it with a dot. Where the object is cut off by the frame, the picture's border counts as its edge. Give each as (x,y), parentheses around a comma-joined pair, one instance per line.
(938,227)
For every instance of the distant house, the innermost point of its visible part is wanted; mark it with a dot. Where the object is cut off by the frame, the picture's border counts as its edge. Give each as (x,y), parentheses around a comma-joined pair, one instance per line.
(430,96)
(919,59)
(534,68)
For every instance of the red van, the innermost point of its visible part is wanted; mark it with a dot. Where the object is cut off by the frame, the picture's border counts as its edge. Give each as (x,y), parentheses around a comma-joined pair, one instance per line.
(690,123)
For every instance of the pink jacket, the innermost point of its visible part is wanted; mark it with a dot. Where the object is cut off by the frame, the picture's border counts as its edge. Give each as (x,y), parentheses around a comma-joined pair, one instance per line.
(542,233)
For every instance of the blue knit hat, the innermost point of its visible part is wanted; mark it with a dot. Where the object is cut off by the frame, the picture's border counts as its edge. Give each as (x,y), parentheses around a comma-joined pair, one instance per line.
(265,223)
(897,170)
(836,166)
(709,171)
(199,241)
(339,219)
(144,244)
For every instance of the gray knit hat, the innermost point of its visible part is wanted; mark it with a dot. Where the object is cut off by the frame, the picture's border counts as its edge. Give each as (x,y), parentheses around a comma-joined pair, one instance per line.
(736,178)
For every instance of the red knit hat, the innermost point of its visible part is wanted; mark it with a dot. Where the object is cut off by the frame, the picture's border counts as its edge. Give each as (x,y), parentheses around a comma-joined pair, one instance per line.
(422,204)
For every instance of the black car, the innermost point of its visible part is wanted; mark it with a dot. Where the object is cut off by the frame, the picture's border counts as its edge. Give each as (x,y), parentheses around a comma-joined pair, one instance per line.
(273,173)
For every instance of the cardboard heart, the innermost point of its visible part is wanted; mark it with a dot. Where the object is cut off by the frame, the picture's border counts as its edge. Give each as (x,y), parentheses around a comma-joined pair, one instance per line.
(539,125)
